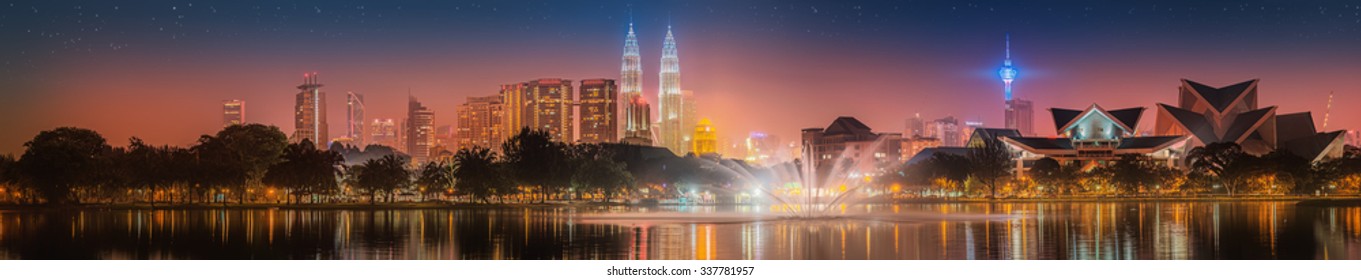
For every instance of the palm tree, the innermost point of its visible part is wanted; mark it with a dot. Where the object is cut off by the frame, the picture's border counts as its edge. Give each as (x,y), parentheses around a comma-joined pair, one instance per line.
(478,174)
(387,174)
(305,170)
(435,177)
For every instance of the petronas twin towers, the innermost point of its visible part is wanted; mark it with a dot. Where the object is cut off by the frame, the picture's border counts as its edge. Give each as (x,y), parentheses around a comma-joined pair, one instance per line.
(673,133)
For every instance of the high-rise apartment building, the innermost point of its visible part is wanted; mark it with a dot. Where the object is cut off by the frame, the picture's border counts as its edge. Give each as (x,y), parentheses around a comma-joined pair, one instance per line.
(548,106)
(599,111)
(480,123)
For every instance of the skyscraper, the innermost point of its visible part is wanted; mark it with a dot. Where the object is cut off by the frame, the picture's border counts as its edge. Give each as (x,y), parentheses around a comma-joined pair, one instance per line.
(915,126)
(513,105)
(631,85)
(354,118)
(309,112)
(705,138)
(480,123)
(599,111)
(947,130)
(548,106)
(688,117)
(672,116)
(1022,114)
(420,131)
(1019,115)
(383,132)
(233,112)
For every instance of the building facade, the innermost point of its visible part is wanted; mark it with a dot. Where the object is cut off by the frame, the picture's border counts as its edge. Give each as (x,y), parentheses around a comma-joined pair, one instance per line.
(1021,116)
(480,123)
(705,138)
(233,112)
(599,111)
(354,118)
(420,131)
(548,106)
(383,132)
(1092,136)
(309,112)
(946,129)
(852,144)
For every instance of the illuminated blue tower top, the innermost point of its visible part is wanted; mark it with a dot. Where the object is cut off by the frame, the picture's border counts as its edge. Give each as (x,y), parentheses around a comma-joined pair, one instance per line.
(1007,72)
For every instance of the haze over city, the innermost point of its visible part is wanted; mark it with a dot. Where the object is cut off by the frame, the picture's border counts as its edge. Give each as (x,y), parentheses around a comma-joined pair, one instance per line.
(160,69)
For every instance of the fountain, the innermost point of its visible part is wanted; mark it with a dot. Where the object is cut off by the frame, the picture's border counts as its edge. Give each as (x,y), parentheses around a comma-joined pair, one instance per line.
(793,191)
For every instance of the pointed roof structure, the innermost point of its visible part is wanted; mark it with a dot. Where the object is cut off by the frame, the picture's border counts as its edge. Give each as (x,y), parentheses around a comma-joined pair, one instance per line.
(1221,98)
(847,126)
(1230,114)
(1127,118)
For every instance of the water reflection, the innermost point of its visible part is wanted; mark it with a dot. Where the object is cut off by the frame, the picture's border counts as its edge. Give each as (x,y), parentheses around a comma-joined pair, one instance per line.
(1152,230)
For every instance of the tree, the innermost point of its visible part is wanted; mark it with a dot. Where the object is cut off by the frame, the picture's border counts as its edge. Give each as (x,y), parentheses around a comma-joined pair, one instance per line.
(1130,173)
(477,173)
(602,174)
(1217,159)
(1057,177)
(435,177)
(148,167)
(387,174)
(942,170)
(305,170)
(989,163)
(59,160)
(536,160)
(246,152)
(9,175)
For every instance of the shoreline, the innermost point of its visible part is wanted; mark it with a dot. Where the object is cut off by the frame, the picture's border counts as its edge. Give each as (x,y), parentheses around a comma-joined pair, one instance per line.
(1307,201)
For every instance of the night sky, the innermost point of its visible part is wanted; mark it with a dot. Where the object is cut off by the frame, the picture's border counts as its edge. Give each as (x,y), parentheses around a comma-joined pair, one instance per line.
(159,69)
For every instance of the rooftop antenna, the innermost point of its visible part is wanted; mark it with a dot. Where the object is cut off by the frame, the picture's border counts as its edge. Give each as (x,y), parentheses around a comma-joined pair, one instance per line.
(1328,110)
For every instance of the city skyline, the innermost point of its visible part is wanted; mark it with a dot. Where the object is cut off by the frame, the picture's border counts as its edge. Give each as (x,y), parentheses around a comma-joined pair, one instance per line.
(737,55)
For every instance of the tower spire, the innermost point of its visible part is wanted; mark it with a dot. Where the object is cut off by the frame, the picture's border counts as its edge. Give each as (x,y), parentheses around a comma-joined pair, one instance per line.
(1008,39)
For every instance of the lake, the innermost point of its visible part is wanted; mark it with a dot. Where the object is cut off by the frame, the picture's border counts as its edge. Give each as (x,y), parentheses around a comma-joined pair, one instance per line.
(1042,230)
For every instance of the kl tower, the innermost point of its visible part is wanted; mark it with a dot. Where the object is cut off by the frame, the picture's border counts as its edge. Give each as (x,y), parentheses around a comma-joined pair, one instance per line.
(1019,115)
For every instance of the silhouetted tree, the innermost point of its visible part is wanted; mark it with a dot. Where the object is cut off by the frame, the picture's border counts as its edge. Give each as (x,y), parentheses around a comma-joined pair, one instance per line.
(599,173)
(536,160)
(1217,160)
(59,160)
(478,174)
(1130,173)
(305,170)
(949,169)
(387,174)
(1058,177)
(247,151)
(435,177)
(989,164)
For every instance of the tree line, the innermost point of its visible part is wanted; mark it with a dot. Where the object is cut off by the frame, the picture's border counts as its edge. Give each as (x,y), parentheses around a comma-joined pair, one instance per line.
(1213,169)
(256,163)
